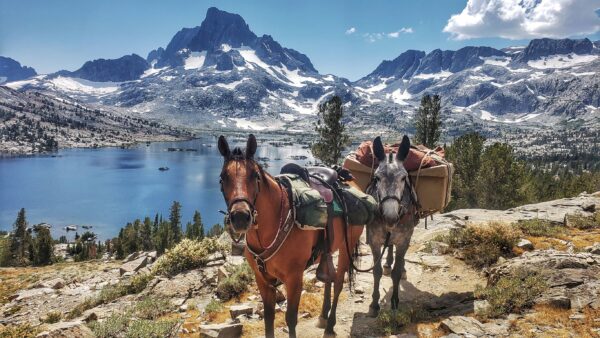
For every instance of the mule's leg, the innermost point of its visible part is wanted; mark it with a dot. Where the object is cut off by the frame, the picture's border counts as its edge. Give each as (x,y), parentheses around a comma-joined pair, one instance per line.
(389,260)
(293,288)
(322,321)
(377,272)
(398,271)
(267,293)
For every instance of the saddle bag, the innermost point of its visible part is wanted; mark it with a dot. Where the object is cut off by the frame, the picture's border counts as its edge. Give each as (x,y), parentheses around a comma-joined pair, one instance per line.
(310,207)
(361,207)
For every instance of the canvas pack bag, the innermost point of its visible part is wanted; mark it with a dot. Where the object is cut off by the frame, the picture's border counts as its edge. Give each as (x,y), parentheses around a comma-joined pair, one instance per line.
(310,208)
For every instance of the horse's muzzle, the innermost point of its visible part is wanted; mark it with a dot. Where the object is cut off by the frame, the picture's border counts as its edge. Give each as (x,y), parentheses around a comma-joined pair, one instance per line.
(240,219)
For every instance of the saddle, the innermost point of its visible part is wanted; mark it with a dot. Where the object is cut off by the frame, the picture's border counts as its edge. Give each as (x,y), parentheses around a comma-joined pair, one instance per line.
(323,180)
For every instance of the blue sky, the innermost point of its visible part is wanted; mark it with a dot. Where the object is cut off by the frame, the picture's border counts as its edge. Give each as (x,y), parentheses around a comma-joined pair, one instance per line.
(63,34)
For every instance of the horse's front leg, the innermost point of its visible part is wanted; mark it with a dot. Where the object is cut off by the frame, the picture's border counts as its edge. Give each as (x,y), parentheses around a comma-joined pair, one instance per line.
(389,260)
(398,270)
(268,295)
(293,288)
(377,272)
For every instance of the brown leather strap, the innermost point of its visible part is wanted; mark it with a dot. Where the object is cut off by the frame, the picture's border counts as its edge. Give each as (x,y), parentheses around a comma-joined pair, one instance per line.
(285,227)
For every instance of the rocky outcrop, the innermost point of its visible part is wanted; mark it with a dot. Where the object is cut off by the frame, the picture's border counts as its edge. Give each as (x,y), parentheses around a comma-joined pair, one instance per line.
(11,70)
(539,48)
(125,68)
(572,279)
(66,330)
(221,330)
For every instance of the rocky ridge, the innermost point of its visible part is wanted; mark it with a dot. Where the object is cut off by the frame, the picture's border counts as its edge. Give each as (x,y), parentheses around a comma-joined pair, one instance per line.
(437,282)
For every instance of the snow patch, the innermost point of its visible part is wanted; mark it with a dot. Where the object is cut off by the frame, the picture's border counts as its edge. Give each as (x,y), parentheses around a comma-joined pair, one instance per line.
(246,124)
(195,60)
(81,86)
(400,97)
(561,61)
(231,85)
(495,60)
(441,75)
(225,47)
(287,117)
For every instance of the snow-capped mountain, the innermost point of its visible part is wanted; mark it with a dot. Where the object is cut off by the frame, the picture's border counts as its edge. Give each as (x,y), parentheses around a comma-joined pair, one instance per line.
(221,74)
(546,81)
(11,70)
(217,74)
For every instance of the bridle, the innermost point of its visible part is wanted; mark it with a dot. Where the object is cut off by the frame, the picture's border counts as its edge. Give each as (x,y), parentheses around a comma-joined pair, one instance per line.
(375,192)
(238,199)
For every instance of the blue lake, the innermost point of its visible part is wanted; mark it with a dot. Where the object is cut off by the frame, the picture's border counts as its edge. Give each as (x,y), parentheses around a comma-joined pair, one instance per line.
(108,187)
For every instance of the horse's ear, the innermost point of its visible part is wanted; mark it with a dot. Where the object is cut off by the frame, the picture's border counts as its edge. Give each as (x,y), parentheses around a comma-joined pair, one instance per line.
(251,146)
(224,147)
(378,149)
(404,149)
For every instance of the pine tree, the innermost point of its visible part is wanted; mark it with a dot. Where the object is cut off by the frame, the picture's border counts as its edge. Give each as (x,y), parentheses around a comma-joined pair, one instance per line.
(428,121)
(465,153)
(500,179)
(19,243)
(195,230)
(146,235)
(44,247)
(333,138)
(175,221)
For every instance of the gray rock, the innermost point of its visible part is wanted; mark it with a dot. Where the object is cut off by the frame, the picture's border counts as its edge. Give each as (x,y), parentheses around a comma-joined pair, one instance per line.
(55,283)
(241,309)
(221,330)
(66,330)
(134,265)
(593,249)
(480,306)
(525,244)
(463,325)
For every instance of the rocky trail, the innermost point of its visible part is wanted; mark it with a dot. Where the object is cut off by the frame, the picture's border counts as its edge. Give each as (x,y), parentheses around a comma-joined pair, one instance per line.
(440,284)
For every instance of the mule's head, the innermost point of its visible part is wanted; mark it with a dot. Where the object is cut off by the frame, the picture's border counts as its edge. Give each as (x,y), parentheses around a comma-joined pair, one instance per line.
(391,181)
(240,184)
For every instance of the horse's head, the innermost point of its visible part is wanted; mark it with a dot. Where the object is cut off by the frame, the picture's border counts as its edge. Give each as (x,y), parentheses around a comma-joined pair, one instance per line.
(391,182)
(240,184)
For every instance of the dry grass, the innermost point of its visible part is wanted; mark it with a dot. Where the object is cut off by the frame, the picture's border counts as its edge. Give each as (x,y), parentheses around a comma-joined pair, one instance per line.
(556,323)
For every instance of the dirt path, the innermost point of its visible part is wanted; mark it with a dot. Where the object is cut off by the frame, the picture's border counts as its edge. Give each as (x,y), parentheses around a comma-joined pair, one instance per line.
(441,284)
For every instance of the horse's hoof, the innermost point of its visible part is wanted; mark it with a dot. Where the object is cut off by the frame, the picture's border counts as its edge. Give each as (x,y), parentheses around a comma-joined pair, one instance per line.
(329,334)
(321,323)
(373,313)
(387,270)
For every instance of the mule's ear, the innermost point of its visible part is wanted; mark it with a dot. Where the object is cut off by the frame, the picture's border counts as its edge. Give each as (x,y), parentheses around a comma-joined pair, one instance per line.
(251,146)
(224,147)
(378,149)
(404,149)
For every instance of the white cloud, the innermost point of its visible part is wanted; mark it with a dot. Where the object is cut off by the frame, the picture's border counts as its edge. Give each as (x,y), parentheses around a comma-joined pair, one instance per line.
(372,37)
(403,30)
(525,19)
(350,30)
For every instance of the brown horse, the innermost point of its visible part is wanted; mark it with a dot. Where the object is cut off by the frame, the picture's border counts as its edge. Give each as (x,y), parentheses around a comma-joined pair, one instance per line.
(259,206)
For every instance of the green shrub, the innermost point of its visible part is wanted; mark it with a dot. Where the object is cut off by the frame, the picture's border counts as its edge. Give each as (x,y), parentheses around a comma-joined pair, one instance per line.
(392,321)
(481,245)
(152,308)
(187,255)
(24,330)
(582,222)
(213,306)
(111,326)
(540,228)
(150,328)
(511,294)
(239,280)
(53,317)
(111,292)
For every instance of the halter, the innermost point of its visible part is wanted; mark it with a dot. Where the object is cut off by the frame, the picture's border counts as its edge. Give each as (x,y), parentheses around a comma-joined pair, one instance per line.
(238,199)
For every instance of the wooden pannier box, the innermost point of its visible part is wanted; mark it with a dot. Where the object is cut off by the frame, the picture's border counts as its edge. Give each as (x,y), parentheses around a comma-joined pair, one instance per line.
(433,185)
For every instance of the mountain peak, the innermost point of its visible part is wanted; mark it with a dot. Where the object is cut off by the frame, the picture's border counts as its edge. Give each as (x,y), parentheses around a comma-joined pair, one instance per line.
(538,48)
(11,70)
(220,27)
